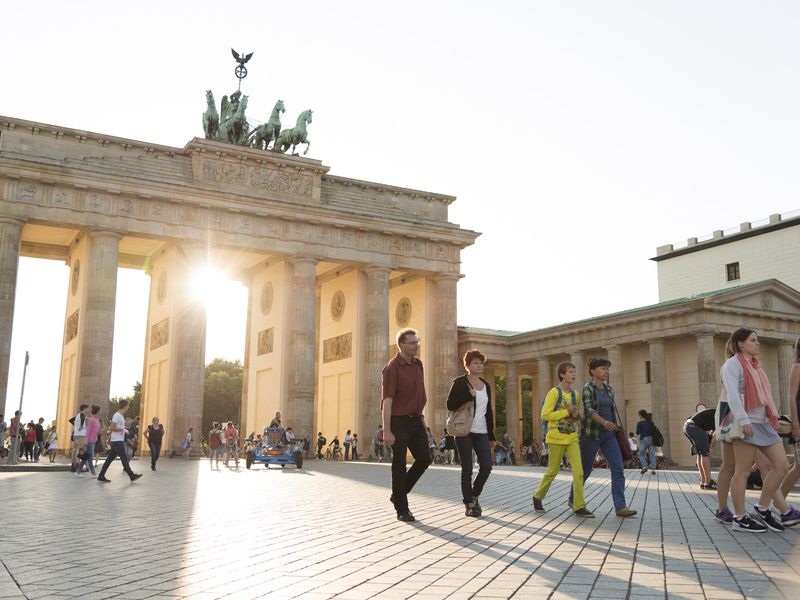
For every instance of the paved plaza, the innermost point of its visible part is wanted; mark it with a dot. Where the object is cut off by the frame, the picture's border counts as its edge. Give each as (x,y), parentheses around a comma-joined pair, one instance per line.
(328,531)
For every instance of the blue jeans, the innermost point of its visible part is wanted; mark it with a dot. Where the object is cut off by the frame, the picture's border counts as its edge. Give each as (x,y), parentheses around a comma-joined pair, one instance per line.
(483,450)
(608,444)
(644,444)
(37,449)
(89,460)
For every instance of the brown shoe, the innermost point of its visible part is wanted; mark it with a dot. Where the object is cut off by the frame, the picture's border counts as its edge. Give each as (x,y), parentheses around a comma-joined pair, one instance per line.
(626,512)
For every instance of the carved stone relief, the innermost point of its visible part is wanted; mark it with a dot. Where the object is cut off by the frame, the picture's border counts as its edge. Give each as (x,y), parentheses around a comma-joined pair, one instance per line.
(63,198)
(27,192)
(159,334)
(161,291)
(72,328)
(266,297)
(76,276)
(276,181)
(402,313)
(265,341)
(337,348)
(337,305)
(766,301)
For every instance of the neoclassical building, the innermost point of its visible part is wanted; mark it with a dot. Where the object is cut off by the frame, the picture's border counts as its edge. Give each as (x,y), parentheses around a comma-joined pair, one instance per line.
(334,266)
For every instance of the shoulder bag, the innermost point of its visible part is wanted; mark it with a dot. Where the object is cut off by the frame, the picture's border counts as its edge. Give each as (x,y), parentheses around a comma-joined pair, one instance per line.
(727,428)
(622,438)
(459,421)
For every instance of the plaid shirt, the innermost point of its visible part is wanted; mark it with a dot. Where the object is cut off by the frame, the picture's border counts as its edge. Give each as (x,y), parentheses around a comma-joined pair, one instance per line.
(589,399)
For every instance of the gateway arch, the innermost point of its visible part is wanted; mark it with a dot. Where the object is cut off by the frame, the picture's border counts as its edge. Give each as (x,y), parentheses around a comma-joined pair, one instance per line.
(334,266)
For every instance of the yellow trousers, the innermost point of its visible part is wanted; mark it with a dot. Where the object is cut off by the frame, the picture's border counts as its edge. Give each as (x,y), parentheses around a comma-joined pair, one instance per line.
(555,454)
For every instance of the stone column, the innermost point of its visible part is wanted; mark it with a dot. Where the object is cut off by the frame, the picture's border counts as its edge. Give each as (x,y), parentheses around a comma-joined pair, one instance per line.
(707,372)
(616,379)
(303,344)
(10,239)
(785,362)
(93,382)
(579,360)
(445,351)
(376,345)
(659,397)
(512,402)
(188,354)
(543,385)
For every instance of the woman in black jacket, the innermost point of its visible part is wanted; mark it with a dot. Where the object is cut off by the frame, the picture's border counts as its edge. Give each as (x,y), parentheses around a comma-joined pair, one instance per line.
(472,388)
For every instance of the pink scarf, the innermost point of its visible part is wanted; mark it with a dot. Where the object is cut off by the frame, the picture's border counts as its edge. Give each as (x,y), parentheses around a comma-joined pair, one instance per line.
(757,391)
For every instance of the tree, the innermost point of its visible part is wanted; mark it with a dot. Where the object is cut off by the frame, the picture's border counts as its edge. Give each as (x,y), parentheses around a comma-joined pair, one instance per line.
(222,398)
(134,402)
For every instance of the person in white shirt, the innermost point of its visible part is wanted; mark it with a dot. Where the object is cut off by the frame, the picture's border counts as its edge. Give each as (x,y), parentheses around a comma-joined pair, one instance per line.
(78,434)
(117,443)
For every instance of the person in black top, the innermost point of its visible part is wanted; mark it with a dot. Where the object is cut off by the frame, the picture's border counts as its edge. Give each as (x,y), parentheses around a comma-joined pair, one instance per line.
(644,429)
(154,435)
(699,429)
(37,450)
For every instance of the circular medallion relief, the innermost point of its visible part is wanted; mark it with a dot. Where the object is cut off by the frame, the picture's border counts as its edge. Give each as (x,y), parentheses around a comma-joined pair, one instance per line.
(403,312)
(76,276)
(162,287)
(266,297)
(766,301)
(337,305)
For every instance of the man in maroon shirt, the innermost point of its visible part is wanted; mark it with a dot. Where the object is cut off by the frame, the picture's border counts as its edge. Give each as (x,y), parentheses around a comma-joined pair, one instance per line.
(402,400)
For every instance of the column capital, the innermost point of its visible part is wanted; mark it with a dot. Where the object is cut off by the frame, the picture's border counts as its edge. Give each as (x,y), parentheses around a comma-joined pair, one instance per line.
(302,260)
(95,233)
(446,277)
(12,221)
(375,270)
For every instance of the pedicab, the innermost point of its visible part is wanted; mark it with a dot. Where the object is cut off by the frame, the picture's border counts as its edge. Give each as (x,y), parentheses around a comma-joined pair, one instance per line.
(276,449)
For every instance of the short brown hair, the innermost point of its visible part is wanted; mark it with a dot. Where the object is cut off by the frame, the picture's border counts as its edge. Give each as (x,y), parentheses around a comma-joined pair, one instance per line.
(738,336)
(472,354)
(562,367)
(401,335)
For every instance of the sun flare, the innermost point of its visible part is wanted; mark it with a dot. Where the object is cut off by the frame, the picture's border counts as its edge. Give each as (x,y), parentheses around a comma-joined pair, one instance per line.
(210,284)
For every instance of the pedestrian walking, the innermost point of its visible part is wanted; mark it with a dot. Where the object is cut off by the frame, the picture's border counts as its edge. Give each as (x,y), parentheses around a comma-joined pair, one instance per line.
(117,444)
(561,411)
(78,434)
(794,410)
(187,442)
(354,447)
(644,429)
(306,445)
(378,441)
(92,432)
(749,398)
(231,444)
(30,440)
(599,432)
(699,430)
(402,401)
(52,446)
(321,441)
(215,440)
(39,447)
(154,434)
(3,431)
(450,447)
(348,440)
(479,435)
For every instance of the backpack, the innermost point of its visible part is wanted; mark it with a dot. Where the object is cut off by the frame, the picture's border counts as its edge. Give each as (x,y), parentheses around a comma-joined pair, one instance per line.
(213,439)
(658,437)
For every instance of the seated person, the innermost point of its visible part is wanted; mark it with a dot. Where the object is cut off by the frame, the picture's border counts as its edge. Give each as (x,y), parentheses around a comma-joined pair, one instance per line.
(276,422)
(289,435)
(335,444)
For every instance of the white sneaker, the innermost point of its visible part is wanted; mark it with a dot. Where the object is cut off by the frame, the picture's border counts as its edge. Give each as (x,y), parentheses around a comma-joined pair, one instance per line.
(80,474)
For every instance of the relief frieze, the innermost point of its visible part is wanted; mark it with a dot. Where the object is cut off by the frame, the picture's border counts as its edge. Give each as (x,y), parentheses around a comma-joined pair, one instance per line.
(72,328)
(265,339)
(337,348)
(260,178)
(159,334)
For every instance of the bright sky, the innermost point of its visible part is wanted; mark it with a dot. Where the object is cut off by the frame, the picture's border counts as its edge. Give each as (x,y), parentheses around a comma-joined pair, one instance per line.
(578,136)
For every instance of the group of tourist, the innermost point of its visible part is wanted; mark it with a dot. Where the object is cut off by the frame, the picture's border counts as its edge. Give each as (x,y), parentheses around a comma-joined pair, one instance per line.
(582,423)
(31,440)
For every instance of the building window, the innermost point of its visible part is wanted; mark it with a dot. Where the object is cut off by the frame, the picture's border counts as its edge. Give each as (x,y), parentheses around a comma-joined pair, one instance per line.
(647,372)
(732,271)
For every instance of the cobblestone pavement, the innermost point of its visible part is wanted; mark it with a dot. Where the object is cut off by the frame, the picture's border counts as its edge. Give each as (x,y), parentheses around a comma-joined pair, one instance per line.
(328,531)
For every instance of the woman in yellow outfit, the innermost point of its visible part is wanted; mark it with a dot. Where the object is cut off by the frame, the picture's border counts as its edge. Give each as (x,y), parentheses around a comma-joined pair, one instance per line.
(563,418)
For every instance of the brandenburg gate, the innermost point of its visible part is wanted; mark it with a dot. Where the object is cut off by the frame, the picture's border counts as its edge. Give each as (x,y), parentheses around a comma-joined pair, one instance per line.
(334,266)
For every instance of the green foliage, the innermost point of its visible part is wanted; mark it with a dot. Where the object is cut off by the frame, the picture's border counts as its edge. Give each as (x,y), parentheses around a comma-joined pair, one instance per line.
(222,398)
(500,407)
(527,410)
(134,402)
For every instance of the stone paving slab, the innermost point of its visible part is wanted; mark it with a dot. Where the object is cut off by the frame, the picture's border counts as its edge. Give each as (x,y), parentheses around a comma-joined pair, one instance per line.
(328,531)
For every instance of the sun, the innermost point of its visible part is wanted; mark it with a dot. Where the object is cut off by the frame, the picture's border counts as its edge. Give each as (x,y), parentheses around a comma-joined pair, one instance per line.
(210,284)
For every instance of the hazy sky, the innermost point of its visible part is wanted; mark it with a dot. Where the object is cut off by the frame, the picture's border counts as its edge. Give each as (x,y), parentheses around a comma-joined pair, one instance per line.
(577,136)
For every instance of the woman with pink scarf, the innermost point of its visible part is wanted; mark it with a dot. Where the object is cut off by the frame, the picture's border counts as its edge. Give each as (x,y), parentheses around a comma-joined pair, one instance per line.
(749,397)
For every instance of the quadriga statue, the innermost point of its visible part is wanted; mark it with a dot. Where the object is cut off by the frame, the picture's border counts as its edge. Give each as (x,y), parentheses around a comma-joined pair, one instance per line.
(296,135)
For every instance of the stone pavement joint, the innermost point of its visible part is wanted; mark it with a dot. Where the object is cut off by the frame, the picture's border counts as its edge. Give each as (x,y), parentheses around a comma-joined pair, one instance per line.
(328,531)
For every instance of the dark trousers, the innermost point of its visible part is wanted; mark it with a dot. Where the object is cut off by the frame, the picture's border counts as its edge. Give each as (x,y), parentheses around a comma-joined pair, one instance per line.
(155,452)
(409,435)
(479,442)
(347,451)
(117,449)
